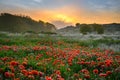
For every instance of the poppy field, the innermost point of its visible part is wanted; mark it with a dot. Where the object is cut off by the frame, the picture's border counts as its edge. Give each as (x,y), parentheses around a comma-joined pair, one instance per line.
(47,59)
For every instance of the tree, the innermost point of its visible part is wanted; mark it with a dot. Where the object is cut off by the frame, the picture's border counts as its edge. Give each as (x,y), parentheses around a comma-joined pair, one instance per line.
(77,24)
(84,29)
(98,28)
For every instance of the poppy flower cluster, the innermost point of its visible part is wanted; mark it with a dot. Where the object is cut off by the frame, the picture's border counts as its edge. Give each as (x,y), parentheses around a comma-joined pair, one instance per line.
(53,62)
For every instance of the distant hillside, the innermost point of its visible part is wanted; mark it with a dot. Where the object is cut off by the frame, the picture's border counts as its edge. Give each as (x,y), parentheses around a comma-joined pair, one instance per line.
(15,23)
(113,28)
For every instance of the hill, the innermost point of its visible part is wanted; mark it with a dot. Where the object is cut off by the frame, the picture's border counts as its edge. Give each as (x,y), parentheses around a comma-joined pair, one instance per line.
(18,23)
(113,28)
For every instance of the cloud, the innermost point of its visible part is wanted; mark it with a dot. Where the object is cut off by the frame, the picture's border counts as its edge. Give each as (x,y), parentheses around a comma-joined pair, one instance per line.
(39,1)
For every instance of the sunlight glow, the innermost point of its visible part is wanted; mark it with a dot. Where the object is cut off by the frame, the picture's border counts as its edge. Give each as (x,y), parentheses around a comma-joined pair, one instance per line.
(64,18)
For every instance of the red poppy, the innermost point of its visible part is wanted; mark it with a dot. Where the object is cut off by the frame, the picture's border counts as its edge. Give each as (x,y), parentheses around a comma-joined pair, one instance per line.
(99,59)
(58,72)
(108,62)
(48,78)
(7,74)
(95,71)
(34,72)
(12,69)
(13,63)
(60,78)
(25,72)
(40,74)
(76,75)
(16,78)
(85,71)
(108,72)
(86,76)
(24,63)
(12,75)
(21,67)
(31,77)
(102,75)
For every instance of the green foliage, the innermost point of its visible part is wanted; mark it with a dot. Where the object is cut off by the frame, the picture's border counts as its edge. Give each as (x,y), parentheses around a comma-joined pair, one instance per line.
(3,35)
(98,28)
(87,28)
(19,23)
(30,32)
(84,29)
(48,32)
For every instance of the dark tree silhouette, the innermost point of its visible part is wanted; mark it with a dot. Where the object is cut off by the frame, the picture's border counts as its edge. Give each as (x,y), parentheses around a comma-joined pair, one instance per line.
(84,28)
(98,28)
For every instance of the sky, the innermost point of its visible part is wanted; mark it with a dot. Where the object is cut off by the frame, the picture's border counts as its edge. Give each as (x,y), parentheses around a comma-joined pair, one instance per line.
(65,12)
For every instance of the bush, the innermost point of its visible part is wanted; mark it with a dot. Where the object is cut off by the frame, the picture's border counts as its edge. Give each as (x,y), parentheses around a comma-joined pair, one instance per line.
(84,29)
(98,28)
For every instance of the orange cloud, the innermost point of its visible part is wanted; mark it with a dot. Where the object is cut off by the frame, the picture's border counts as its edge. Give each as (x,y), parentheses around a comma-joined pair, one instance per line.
(62,14)
(72,15)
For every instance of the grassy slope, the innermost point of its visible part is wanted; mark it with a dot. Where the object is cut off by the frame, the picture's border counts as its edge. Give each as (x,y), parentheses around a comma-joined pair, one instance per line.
(13,23)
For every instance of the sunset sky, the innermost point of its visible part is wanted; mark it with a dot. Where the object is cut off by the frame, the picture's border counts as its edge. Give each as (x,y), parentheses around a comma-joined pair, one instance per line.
(65,12)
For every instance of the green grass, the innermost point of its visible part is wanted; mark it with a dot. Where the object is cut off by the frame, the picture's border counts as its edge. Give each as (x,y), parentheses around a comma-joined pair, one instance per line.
(41,53)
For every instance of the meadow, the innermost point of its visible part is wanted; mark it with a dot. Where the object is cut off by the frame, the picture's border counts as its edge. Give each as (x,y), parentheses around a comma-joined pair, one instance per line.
(51,58)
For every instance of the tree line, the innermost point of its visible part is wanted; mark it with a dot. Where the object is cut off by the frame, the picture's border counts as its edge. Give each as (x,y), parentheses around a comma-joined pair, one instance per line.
(89,28)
